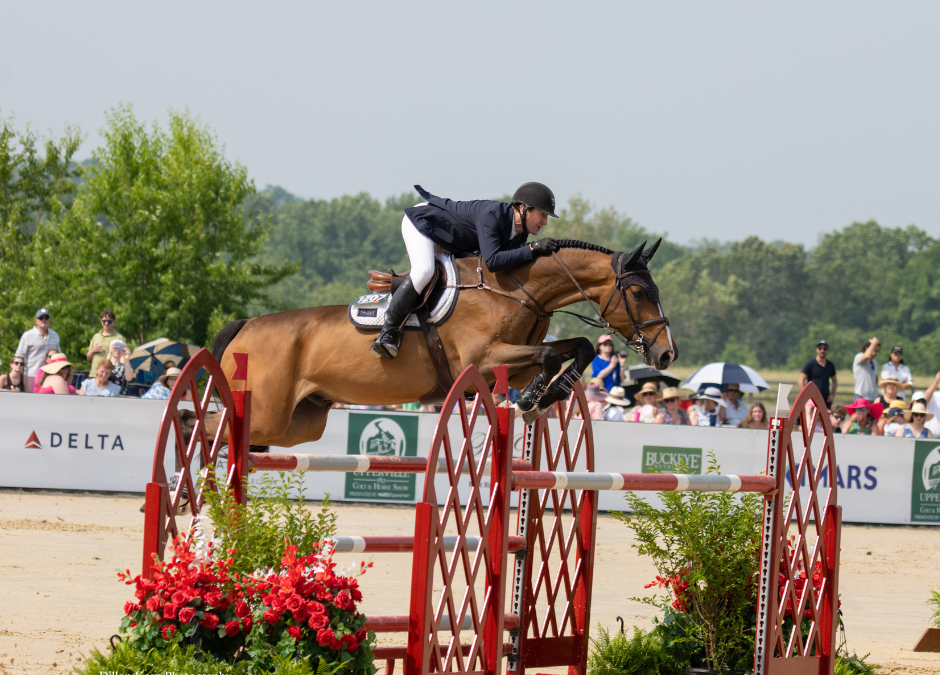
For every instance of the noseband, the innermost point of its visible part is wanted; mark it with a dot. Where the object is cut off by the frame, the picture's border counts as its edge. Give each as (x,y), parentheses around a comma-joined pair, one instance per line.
(625,278)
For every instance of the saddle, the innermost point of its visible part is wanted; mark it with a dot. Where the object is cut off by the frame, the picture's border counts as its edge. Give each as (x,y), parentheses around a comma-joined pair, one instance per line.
(436,305)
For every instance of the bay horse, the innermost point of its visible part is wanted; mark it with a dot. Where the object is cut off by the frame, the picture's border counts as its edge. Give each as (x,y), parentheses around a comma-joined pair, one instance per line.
(302,361)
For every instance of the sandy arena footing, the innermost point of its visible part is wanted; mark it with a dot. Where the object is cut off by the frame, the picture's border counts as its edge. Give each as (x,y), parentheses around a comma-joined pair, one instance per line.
(59,554)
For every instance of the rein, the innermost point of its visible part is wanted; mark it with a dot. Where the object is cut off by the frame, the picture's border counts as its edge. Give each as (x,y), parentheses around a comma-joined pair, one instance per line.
(635,341)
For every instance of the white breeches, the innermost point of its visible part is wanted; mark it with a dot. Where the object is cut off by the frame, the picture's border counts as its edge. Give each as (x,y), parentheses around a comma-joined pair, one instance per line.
(420,253)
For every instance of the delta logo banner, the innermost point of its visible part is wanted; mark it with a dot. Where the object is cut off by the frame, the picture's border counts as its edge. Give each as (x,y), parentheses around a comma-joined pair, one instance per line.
(925,483)
(376,434)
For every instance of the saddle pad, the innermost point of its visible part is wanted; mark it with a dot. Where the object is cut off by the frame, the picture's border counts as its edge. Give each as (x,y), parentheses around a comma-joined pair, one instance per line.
(368,311)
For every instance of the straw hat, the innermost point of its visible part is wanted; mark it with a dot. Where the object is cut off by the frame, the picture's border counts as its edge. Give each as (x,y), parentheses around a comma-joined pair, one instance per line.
(617,397)
(56,363)
(648,387)
(171,372)
(669,392)
(892,379)
(917,407)
(896,404)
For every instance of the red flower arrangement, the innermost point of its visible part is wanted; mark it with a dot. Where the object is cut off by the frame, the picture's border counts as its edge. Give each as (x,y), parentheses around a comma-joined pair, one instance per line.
(310,608)
(187,598)
(679,586)
(306,609)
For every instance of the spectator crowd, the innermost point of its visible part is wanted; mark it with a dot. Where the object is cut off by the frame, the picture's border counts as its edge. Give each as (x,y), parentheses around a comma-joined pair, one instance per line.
(880,408)
(40,367)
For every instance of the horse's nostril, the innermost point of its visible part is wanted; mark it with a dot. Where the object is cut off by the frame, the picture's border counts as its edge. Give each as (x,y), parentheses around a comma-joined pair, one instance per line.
(665,360)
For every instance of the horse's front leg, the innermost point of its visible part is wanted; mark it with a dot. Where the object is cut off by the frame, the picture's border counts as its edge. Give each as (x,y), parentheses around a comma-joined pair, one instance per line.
(522,357)
(582,351)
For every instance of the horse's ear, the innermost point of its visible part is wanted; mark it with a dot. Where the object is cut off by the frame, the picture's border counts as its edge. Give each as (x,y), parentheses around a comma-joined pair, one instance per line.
(634,256)
(649,254)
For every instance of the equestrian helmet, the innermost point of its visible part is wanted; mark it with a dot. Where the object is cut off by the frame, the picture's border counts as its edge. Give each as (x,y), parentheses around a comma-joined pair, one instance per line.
(536,196)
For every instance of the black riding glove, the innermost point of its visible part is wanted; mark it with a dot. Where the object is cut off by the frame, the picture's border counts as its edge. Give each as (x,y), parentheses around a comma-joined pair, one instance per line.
(545,246)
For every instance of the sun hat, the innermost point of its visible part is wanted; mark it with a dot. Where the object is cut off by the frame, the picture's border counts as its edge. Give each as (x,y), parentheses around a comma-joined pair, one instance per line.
(56,363)
(874,409)
(917,407)
(617,397)
(893,412)
(171,372)
(919,396)
(119,344)
(889,379)
(710,394)
(593,392)
(669,392)
(604,338)
(648,387)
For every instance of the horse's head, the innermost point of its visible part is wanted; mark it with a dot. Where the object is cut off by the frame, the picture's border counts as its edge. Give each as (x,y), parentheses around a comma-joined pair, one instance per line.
(639,318)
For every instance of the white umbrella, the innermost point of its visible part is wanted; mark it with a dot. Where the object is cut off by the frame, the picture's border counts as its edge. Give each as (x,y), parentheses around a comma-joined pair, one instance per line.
(720,374)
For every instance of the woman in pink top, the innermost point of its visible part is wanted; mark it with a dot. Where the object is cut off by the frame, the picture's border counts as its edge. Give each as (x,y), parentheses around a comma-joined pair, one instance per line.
(55,376)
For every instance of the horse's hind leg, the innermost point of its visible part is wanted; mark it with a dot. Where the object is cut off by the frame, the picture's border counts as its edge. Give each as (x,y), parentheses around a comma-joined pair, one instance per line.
(306,424)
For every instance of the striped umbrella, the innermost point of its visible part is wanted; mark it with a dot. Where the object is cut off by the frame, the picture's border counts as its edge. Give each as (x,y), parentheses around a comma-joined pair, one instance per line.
(149,357)
(719,374)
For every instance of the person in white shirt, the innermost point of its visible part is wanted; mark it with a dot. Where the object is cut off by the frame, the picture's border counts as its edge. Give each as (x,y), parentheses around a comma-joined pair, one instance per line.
(865,369)
(36,343)
(100,386)
(932,403)
(734,411)
(895,366)
(613,411)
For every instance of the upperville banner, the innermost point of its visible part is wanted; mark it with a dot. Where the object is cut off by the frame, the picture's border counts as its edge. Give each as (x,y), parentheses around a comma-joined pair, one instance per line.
(84,443)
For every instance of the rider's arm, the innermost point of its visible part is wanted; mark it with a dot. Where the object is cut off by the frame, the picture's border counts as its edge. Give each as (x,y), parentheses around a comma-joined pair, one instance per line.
(488,228)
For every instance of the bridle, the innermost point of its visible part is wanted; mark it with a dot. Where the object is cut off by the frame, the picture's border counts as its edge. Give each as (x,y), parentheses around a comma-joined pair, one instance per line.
(635,341)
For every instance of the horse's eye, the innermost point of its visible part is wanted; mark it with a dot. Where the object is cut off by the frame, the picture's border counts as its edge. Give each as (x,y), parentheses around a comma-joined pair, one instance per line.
(638,295)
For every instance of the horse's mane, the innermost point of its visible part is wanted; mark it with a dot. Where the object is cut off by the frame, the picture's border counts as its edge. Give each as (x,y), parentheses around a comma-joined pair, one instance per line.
(583,245)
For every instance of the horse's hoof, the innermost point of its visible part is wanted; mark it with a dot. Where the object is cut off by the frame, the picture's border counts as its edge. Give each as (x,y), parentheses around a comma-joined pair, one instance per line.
(530,416)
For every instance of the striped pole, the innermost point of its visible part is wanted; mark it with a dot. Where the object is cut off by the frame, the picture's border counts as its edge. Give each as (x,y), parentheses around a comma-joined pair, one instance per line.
(399,624)
(407,544)
(264,461)
(658,482)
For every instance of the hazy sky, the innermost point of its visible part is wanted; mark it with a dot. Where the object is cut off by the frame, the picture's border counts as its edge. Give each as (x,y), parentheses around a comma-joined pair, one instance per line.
(717,119)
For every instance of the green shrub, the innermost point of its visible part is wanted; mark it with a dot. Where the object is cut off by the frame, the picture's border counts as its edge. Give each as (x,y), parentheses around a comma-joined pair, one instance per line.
(177,659)
(935,601)
(642,654)
(275,513)
(854,665)
(705,546)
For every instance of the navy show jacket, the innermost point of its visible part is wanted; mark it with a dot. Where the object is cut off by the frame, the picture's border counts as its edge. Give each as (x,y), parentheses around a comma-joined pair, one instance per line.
(467,227)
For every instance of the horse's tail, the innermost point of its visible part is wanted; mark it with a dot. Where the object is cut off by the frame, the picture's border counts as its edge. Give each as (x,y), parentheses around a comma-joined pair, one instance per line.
(225,337)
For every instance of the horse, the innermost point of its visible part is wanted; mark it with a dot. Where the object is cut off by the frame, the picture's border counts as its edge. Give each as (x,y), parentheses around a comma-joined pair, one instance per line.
(302,361)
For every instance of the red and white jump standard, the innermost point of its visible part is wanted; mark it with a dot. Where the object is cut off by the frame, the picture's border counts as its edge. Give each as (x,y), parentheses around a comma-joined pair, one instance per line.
(549,595)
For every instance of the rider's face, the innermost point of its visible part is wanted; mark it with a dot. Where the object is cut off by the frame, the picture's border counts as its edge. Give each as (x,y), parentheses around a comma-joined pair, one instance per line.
(534,221)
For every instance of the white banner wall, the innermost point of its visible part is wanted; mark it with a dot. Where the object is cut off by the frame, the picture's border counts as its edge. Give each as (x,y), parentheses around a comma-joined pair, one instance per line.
(107,444)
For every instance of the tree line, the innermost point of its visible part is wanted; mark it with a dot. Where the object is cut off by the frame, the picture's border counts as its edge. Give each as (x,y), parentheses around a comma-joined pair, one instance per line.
(160,227)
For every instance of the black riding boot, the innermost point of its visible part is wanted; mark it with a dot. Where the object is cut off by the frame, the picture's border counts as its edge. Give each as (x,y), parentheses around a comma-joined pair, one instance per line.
(403,302)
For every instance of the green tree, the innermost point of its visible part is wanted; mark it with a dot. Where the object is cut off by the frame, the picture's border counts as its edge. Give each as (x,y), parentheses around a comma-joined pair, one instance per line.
(918,298)
(335,243)
(855,274)
(176,249)
(36,187)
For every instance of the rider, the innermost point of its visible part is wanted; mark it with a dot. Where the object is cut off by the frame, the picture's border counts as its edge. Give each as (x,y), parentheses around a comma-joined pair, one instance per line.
(496,229)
